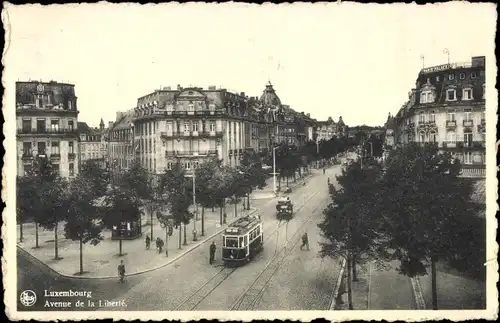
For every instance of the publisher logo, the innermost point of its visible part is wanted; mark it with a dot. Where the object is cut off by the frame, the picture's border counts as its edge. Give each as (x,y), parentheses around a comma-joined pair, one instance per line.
(28,298)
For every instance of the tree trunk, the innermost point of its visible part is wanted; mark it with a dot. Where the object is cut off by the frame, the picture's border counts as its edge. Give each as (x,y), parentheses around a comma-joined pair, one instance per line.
(185,235)
(224,216)
(236,208)
(120,244)
(56,250)
(202,221)
(180,236)
(349,283)
(279,182)
(166,241)
(287,180)
(151,224)
(36,235)
(213,209)
(81,255)
(434,284)
(21,231)
(221,214)
(354,271)
(248,201)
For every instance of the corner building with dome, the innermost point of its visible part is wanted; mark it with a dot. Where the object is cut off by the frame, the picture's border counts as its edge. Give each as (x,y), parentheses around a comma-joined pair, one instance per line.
(192,124)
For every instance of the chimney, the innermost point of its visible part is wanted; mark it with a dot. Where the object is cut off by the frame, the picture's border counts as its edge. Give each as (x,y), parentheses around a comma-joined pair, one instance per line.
(242,93)
(179,87)
(212,88)
(308,115)
(167,88)
(478,61)
(110,124)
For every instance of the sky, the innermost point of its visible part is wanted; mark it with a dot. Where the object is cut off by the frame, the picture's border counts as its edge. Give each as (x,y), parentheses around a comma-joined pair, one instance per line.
(350,60)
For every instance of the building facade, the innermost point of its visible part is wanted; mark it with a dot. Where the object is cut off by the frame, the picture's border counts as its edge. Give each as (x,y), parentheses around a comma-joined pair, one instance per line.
(120,141)
(191,124)
(47,125)
(93,142)
(447,106)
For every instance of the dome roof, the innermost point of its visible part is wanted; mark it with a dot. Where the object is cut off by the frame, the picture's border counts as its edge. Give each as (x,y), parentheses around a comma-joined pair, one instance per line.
(269,98)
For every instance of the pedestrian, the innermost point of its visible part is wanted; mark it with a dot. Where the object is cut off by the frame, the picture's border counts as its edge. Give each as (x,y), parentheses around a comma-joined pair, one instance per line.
(323,170)
(213,247)
(160,245)
(148,242)
(121,271)
(305,241)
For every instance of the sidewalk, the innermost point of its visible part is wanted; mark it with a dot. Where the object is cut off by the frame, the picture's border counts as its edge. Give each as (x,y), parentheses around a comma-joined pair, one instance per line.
(267,192)
(379,289)
(102,260)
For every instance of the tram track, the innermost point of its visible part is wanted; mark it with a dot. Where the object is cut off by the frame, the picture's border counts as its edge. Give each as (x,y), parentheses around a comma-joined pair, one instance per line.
(190,303)
(250,297)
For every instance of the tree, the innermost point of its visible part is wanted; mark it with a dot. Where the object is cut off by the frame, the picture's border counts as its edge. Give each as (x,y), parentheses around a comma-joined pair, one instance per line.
(253,175)
(83,223)
(426,206)
(350,225)
(175,185)
(97,175)
(28,203)
(205,188)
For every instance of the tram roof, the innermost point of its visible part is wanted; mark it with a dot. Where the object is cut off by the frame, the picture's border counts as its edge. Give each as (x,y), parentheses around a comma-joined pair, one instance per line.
(242,225)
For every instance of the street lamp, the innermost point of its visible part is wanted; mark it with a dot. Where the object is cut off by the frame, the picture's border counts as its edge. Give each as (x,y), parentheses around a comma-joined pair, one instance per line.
(274,169)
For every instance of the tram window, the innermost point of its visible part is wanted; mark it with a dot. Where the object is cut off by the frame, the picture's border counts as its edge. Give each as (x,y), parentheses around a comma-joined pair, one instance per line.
(246,240)
(231,243)
(241,242)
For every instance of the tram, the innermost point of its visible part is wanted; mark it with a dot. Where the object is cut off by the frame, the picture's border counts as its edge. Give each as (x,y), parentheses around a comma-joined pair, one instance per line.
(242,241)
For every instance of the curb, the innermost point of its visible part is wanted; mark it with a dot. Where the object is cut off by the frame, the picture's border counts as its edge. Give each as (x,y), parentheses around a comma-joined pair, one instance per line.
(335,293)
(193,247)
(417,292)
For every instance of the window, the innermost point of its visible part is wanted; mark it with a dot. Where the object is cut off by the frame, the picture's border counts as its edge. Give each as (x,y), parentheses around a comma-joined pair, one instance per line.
(186,126)
(187,165)
(421,117)
(473,75)
(451,95)
(437,78)
(55,168)
(195,164)
(191,107)
(41,148)
(432,137)
(468,115)
(195,126)
(432,117)
(450,116)
(69,105)
(40,125)
(468,158)
(467,94)
(71,147)
(26,125)
(54,125)
(70,125)
(169,165)
(54,148)
(71,169)
(26,148)
(451,137)
(451,77)
(169,127)
(422,137)
(426,97)
(467,139)
(462,76)
(484,91)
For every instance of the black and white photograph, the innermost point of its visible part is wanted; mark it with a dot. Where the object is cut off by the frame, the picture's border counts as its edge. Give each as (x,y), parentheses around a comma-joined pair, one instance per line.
(243,161)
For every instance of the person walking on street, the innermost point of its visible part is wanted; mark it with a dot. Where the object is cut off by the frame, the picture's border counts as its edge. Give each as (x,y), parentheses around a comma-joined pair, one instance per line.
(121,271)
(148,242)
(160,245)
(323,170)
(305,241)
(213,247)
(157,243)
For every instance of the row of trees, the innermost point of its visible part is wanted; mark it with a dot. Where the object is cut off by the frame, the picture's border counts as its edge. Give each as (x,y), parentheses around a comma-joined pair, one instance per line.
(99,199)
(416,210)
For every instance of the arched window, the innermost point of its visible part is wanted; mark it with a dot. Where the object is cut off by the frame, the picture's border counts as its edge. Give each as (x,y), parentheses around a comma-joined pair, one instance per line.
(432,136)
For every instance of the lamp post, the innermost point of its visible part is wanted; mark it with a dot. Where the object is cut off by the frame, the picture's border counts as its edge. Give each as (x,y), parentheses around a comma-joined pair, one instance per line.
(274,169)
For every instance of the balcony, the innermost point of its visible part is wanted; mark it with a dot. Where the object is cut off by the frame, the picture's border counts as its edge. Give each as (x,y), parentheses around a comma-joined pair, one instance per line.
(27,155)
(473,171)
(468,123)
(191,134)
(451,124)
(190,153)
(464,144)
(209,112)
(47,131)
(427,126)
(55,156)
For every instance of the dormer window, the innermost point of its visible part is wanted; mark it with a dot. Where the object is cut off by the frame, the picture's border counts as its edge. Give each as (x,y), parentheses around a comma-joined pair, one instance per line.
(451,77)
(462,76)
(426,97)
(473,75)
(467,94)
(451,95)
(437,78)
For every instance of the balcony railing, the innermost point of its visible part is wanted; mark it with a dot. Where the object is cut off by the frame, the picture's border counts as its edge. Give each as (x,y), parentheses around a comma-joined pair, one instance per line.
(463,144)
(196,112)
(46,131)
(188,134)
(468,123)
(190,153)
(473,170)
(55,155)
(451,124)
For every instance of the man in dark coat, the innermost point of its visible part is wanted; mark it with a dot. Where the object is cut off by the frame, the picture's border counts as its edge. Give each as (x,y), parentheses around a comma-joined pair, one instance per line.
(213,247)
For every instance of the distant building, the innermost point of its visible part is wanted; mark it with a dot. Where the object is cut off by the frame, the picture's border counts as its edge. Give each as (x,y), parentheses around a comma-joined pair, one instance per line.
(447,106)
(120,141)
(93,142)
(46,122)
